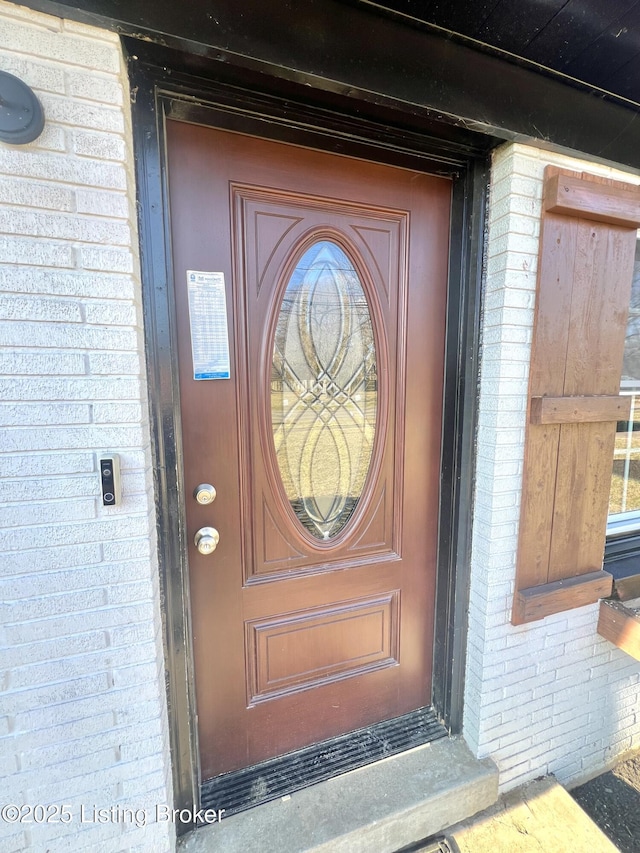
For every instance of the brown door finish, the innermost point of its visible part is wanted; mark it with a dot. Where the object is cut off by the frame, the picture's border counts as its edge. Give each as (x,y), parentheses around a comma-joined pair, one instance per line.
(314,615)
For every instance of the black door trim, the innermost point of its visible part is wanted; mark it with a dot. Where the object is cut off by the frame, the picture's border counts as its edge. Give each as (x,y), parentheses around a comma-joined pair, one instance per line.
(379,135)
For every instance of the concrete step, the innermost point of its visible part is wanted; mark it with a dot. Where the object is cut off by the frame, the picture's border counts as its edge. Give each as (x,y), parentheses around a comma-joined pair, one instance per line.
(379,808)
(536,817)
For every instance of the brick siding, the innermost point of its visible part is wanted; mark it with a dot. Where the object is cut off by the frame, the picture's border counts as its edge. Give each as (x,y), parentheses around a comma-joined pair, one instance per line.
(82,711)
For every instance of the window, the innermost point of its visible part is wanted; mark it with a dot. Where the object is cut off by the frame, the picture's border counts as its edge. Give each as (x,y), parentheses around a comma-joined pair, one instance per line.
(624,500)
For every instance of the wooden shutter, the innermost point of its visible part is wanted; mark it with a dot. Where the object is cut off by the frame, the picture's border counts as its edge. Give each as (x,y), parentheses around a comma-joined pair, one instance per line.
(585,268)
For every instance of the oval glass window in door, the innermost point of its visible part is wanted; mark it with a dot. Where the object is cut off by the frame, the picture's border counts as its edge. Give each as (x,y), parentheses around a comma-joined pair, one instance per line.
(324,389)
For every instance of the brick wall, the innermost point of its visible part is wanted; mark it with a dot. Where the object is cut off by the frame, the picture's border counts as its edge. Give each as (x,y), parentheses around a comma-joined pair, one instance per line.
(82,710)
(551,696)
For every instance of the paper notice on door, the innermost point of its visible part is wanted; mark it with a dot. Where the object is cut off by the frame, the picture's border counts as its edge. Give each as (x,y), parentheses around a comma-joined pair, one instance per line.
(208,321)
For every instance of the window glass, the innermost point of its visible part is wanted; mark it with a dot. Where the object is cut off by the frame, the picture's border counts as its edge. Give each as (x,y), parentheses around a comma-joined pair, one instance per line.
(324,389)
(624,501)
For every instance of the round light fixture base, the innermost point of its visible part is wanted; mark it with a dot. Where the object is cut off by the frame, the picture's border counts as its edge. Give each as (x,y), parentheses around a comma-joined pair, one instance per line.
(21,115)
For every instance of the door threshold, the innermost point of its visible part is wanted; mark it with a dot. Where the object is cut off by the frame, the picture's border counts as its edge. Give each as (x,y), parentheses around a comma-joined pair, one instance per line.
(277,777)
(379,808)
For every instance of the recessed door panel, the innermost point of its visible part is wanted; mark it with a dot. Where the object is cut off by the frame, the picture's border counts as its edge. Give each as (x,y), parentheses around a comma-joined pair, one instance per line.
(313,615)
(323,377)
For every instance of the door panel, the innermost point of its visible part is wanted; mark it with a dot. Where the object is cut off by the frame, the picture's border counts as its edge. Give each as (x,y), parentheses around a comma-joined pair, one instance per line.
(314,615)
(279,540)
(311,647)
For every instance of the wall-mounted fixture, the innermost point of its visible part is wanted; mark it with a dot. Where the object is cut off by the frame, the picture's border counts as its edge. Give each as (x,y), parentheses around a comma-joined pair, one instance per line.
(21,115)
(110,485)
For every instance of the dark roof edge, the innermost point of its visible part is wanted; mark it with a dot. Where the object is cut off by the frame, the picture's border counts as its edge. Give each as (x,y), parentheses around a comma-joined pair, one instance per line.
(371,57)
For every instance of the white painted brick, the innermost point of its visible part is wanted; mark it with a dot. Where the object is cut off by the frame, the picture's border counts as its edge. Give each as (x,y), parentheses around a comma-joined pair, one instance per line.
(501,368)
(76,113)
(122,364)
(40,76)
(62,693)
(64,227)
(52,138)
(54,558)
(500,189)
(94,87)
(53,650)
(103,619)
(63,670)
(136,784)
(90,836)
(138,710)
(78,716)
(30,194)
(506,335)
(42,464)
(78,337)
(126,549)
(8,765)
(38,363)
(510,224)
(111,313)
(112,204)
(53,605)
(73,386)
(106,36)
(107,260)
(58,310)
(510,262)
(32,18)
(54,511)
(76,171)
(140,591)
(76,388)
(114,738)
(65,283)
(527,187)
(32,739)
(72,436)
(117,413)
(522,278)
(509,316)
(102,576)
(27,251)
(504,420)
(14,841)
(25,38)
(103,146)
(12,414)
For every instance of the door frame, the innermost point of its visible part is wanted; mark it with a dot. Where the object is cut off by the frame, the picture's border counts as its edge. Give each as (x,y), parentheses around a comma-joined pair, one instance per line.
(233,102)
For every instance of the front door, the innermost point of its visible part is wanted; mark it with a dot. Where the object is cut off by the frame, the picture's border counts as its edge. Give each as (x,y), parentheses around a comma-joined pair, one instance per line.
(320,431)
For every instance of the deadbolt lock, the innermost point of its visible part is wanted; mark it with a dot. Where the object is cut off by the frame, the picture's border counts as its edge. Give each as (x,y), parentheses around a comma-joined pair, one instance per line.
(205,493)
(206,540)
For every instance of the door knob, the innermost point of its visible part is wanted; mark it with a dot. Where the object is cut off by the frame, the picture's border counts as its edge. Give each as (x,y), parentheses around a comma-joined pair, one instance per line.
(206,540)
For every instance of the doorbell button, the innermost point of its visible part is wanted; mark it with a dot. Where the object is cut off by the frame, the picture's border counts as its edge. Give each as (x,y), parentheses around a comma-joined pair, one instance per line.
(109,467)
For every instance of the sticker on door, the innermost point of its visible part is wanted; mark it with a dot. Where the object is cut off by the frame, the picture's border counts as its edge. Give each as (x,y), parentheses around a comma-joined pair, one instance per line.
(208,321)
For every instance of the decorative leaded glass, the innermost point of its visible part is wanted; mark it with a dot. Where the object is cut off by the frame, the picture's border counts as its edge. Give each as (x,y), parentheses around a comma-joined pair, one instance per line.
(324,389)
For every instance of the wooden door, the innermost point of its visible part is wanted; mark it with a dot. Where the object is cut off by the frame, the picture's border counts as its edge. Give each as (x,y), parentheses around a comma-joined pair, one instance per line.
(314,615)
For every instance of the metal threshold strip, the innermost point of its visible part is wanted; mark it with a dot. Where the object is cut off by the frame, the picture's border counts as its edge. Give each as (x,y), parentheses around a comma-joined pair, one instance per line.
(280,776)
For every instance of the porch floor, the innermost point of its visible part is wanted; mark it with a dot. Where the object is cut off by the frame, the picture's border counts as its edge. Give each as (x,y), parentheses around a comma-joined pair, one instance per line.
(381,807)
